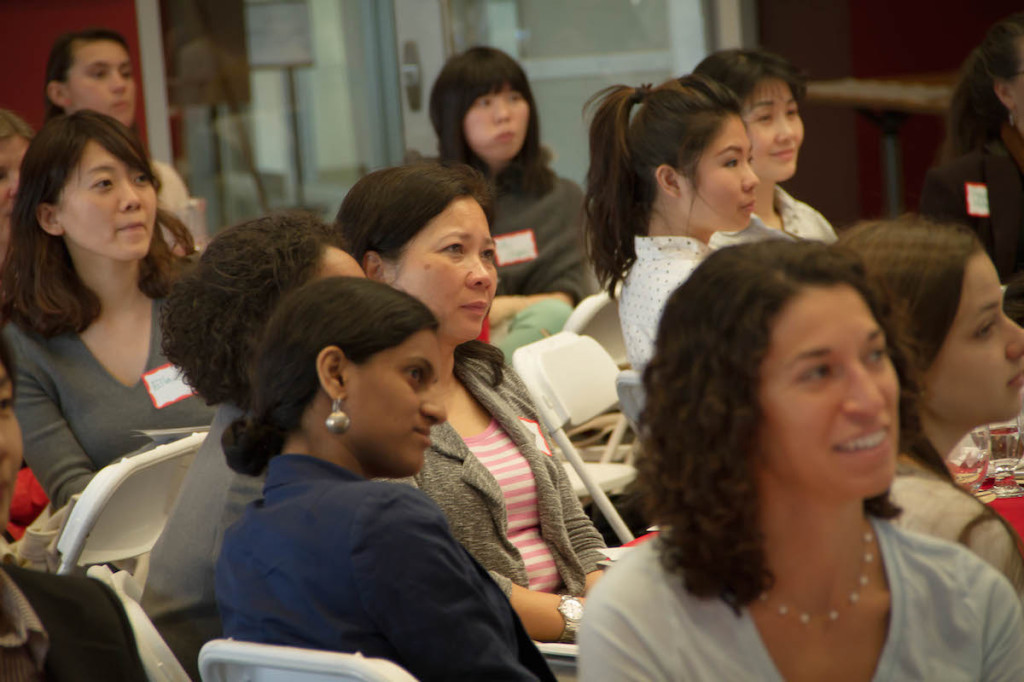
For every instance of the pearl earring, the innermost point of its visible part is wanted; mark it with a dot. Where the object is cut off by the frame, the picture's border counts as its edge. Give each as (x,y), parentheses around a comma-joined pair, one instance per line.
(337,421)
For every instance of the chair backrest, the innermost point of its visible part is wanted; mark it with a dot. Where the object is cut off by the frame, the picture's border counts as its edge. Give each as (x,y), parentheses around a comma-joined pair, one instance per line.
(123,510)
(571,378)
(158,660)
(597,316)
(225,660)
(629,386)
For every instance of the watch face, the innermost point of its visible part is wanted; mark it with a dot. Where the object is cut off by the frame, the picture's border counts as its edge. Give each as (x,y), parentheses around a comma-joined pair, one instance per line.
(572,609)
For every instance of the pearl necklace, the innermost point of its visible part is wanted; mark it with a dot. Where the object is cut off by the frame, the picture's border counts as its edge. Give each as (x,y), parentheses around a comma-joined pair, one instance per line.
(833,615)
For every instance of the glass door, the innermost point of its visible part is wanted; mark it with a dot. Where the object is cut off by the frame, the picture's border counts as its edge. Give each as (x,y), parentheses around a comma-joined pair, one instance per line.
(570,49)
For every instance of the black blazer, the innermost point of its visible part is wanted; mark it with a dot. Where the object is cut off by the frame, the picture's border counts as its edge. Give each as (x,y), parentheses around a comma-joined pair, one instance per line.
(943,198)
(90,636)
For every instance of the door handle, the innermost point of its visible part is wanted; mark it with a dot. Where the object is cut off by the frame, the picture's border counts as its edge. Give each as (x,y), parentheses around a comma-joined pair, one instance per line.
(412,75)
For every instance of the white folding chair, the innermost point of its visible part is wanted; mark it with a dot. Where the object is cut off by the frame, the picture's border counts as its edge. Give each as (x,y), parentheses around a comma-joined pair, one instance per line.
(225,660)
(123,510)
(629,386)
(158,660)
(571,379)
(597,316)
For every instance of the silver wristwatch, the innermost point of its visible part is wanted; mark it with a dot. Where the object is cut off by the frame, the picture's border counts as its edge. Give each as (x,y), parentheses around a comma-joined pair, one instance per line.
(571,609)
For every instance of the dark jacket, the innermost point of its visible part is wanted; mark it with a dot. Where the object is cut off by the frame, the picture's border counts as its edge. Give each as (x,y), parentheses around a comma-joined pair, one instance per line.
(943,198)
(90,635)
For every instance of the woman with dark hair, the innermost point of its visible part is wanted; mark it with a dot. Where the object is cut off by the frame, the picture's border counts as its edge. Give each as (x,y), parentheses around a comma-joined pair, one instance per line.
(80,294)
(484,115)
(15,135)
(770,90)
(423,229)
(92,70)
(345,390)
(212,322)
(979,182)
(767,465)
(669,167)
(970,359)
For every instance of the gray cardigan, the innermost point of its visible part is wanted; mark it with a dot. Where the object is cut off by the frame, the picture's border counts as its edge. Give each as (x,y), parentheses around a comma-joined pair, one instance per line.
(469,495)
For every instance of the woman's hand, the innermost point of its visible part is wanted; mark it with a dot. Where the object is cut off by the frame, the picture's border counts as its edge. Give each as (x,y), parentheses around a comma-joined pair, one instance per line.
(504,307)
(539,612)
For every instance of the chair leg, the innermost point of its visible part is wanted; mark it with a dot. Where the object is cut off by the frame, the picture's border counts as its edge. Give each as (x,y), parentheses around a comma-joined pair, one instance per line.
(615,440)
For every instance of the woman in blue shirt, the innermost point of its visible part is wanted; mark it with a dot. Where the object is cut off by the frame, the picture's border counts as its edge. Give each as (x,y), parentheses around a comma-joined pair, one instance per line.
(344,391)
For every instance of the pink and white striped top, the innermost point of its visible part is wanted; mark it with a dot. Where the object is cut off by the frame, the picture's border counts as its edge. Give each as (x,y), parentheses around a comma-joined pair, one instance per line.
(502,458)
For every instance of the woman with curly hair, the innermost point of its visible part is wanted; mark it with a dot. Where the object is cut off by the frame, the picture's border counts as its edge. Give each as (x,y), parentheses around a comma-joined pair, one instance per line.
(82,286)
(212,323)
(970,359)
(669,167)
(979,182)
(770,437)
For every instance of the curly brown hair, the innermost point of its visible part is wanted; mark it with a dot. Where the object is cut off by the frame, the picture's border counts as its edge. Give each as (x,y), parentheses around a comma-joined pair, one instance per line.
(40,289)
(214,317)
(697,473)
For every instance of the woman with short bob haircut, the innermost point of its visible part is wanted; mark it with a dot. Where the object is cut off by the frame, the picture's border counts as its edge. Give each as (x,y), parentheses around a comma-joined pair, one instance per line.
(669,167)
(771,90)
(82,286)
(344,391)
(484,114)
(423,229)
(213,320)
(770,436)
(969,356)
(979,180)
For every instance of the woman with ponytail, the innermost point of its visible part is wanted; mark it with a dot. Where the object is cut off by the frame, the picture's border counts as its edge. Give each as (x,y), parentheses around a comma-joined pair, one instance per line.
(979,182)
(969,358)
(669,167)
(344,391)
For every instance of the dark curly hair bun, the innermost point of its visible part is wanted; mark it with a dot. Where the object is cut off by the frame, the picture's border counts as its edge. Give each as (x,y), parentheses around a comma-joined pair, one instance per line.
(249,444)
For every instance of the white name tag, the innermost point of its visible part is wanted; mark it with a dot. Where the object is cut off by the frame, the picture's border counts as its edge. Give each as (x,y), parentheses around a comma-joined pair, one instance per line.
(515,247)
(534,428)
(977,199)
(166,386)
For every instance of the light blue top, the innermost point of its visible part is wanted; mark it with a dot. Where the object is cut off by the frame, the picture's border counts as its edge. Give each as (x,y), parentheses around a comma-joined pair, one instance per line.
(953,617)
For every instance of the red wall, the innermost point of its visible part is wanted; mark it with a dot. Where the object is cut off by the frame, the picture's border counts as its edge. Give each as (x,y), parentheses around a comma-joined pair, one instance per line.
(894,38)
(27,29)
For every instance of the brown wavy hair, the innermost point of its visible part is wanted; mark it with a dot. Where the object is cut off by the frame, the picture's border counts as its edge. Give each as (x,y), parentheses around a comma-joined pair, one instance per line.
(40,290)
(672,124)
(214,317)
(975,112)
(700,423)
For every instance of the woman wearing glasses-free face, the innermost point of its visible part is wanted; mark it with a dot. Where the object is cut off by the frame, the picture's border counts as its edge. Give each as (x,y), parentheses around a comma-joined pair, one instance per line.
(979,180)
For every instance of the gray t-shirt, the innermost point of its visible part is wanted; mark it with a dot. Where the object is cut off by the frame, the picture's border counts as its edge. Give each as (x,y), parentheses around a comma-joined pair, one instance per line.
(179,594)
(953,618)
(76,418)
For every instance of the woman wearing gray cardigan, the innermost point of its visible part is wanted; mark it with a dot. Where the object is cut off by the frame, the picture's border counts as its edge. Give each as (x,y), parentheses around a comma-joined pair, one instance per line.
(423,229)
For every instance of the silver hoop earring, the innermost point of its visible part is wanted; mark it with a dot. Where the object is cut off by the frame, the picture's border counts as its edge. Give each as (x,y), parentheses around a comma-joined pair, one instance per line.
(337,421)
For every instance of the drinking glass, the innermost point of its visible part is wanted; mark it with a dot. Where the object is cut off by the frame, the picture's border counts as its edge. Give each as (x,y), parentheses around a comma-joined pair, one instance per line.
(968,461)
(1005,452)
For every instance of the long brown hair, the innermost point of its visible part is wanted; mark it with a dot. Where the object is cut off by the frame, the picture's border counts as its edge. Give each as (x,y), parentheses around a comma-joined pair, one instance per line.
(975,112)
(921,264)
(673,124)
(40,290)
